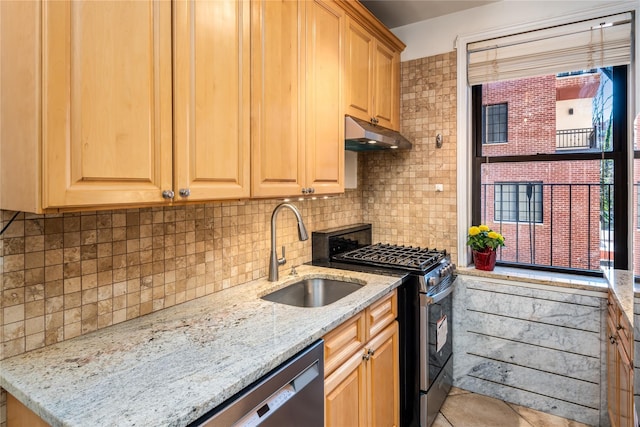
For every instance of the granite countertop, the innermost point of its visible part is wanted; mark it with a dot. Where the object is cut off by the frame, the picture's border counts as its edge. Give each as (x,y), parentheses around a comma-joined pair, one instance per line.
(170,367)
(621,283)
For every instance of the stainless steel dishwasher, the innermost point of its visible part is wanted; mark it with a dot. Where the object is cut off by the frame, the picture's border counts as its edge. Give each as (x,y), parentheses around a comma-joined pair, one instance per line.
(290,395)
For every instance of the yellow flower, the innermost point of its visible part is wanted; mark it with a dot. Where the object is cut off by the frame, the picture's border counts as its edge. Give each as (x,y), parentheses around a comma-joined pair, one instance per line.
(493,235)
(473,231)
(483,227)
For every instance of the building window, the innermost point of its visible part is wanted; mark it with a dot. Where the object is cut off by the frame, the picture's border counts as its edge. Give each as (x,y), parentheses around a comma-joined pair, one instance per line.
(518,202)
(494,123)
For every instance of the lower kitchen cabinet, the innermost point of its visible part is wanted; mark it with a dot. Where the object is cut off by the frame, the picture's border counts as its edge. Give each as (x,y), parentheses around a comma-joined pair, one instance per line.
(362,384)
(19,415)
(619,367)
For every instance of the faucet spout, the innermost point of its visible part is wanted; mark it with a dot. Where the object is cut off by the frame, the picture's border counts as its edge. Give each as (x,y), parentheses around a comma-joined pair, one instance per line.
(274,261)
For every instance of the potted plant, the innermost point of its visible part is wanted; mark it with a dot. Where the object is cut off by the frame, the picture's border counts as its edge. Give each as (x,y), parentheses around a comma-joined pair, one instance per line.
(484,242)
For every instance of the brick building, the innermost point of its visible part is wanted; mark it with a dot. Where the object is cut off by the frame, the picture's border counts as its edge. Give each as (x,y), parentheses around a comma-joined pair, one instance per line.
(549,212)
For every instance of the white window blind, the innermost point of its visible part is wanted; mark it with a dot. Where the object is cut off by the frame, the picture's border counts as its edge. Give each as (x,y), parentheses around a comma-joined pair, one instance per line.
(582,45)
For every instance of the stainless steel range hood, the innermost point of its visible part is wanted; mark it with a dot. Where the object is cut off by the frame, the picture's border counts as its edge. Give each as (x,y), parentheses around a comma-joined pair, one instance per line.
(364,136)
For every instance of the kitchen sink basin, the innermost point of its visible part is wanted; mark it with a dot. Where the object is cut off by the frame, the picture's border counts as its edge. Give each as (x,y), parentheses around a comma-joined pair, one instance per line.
(316,292)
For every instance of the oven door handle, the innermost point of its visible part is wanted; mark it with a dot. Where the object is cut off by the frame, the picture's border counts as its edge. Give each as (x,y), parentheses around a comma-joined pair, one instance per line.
(424,343)
(433,299)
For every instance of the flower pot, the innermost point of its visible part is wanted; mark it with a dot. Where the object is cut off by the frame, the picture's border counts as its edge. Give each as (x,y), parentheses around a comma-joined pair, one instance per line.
(485,260)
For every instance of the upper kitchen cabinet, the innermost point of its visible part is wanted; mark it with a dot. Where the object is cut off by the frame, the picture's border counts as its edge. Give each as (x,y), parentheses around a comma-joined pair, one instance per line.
(91,123)
(372,69)
(211,99)
(297,116)
(122,109)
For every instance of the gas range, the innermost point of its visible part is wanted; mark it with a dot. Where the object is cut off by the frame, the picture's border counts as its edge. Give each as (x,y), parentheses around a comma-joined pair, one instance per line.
(350,248)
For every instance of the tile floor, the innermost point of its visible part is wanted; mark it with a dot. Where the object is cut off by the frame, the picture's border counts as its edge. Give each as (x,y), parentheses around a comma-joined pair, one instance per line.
(466,409)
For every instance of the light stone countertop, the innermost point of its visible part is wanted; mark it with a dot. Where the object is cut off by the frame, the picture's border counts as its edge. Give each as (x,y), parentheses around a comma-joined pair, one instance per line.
(621,283)
(170,367)
(539,277)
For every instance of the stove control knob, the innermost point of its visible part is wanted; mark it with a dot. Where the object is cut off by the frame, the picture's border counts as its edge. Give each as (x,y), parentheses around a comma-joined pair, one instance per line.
(444,271)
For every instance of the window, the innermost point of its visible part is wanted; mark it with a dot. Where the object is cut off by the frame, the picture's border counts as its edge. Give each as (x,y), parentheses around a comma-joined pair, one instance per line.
(555,206)
(494,123)
(566,88)
(518,202)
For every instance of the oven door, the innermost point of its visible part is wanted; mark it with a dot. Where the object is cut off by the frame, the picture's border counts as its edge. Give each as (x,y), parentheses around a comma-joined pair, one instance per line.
(436,336)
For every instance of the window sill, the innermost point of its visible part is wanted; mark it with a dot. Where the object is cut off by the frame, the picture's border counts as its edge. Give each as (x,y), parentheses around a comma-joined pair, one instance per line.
(588,283)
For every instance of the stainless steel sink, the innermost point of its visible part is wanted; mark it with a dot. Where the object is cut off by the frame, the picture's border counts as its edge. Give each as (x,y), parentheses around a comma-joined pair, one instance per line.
(315,292)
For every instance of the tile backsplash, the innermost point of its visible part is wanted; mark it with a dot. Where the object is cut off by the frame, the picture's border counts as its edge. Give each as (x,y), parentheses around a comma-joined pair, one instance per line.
(69,274)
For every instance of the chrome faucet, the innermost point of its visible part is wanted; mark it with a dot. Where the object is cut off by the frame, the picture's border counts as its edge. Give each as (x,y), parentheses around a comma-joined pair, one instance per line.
(274,262)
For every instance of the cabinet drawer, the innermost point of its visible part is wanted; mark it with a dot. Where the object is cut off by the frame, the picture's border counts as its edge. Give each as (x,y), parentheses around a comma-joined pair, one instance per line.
(343,342)
(381,314)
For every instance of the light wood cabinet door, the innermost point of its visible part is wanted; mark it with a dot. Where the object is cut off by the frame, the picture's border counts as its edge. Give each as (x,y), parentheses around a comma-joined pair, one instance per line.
(359,67)
(346,397)
(372,88)
(619,369)
(612,376)
(277,115)
(625,386)
(19,415)
(383,374)
(324,123)
(386,87)
(211,99)
(106,102)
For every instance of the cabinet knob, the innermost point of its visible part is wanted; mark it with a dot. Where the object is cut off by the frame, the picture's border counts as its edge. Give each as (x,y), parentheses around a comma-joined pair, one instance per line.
(168,194)
(311,190)
(366,356)
(371,352)
(184,192)
(305,190)
(612,339)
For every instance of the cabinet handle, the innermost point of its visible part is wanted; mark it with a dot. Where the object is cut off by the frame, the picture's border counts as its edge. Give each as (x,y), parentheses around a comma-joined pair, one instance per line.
(619,327)
(184,192)
(168,194)
(612,339)
(368,353)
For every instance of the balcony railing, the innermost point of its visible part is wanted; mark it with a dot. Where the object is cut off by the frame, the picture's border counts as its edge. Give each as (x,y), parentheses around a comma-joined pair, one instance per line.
(574,139)
(576,232)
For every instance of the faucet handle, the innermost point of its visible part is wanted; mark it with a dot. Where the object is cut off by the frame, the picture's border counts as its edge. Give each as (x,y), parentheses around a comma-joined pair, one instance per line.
(283,260)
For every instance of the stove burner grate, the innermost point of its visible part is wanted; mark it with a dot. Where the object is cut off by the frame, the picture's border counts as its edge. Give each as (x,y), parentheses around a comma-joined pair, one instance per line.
(386,255)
